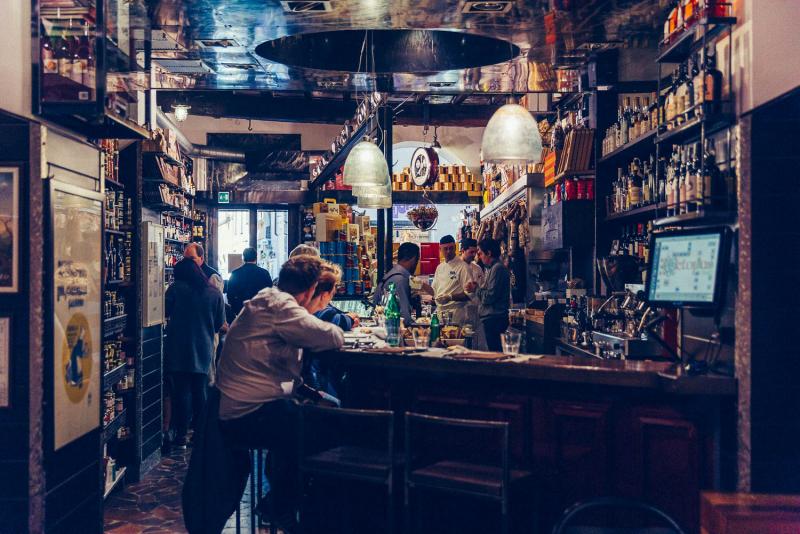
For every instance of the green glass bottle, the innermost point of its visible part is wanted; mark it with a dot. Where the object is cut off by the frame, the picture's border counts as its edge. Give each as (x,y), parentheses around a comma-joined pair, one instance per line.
(392,313)
(435,329)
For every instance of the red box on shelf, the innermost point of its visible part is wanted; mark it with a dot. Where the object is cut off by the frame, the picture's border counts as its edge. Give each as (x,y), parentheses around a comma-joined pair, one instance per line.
(429,251)
(428,267)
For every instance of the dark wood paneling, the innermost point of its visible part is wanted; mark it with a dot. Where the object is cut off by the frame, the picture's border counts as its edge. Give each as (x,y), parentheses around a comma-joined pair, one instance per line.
(512,409)
(665,459)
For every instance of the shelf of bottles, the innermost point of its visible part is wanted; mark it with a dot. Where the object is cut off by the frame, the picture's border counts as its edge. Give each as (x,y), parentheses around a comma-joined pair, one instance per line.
(118,362)
(637,122)
(91,65)
(693,107)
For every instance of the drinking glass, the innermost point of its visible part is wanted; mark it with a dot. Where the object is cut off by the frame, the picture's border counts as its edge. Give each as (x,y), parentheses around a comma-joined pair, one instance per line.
(421,337)
(511,341)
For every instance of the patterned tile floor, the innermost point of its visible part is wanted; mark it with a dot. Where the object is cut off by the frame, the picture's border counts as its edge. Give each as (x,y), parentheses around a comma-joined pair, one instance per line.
(153,505)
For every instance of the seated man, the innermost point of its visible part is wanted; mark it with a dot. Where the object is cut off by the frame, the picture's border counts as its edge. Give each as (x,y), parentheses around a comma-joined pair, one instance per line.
(261,366)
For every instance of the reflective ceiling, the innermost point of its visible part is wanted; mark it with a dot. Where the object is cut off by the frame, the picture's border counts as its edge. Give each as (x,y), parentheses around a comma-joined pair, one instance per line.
(211,44)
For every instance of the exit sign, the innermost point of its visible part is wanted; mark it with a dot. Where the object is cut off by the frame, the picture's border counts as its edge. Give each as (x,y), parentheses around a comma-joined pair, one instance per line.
(224,197)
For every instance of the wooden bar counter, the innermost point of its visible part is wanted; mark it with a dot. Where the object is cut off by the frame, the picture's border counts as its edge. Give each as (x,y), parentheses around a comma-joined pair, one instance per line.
(585,427)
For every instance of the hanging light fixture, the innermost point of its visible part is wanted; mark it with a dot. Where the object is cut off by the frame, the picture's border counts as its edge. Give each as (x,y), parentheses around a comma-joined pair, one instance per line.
(381,202)
(181,108)
(366,165)
(511,137)
(372,190)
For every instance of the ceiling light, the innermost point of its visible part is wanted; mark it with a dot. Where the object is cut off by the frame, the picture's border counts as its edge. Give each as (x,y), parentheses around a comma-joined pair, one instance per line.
(366,165)
(383,202)
(511,137)
(181,111)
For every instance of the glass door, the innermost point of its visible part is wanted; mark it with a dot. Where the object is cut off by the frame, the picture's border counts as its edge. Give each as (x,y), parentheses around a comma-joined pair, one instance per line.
(272,239)
(233,236)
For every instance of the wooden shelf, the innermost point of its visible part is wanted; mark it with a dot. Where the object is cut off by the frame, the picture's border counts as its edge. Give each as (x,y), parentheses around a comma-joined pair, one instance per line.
(166,157)
(110,430)
(113,376)
(637,144)
(180,189)
(692,129)
(569,174)
(697,218)
(115,232)
(176,242)
(516,190)
(637,213)
(408,197)
(110,487)
(687,44)
(116,184)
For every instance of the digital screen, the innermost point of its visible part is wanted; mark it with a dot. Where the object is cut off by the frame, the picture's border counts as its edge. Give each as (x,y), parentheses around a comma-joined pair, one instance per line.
(684,268)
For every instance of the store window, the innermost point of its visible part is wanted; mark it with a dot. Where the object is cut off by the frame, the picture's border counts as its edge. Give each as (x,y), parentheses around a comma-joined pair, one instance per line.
(272,240)
(233,236)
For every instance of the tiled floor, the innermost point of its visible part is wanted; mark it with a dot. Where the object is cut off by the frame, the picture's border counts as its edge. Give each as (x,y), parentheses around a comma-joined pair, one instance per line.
(153,505)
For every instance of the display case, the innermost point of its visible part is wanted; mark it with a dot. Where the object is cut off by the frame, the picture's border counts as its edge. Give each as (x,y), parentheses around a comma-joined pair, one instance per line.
(90,68)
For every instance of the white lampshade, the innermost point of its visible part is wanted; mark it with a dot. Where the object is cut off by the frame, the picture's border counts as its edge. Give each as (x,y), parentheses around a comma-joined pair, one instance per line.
(377,202)
(366,165)
(372,190)
(511,137)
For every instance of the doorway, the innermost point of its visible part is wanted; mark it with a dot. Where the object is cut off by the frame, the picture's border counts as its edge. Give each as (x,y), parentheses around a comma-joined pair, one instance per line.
(266,230)
(272,239)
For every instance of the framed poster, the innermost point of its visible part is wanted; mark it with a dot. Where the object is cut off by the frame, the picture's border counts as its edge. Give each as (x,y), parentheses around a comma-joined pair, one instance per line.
(153,268)
(9,229)
(5,362)
(77,238)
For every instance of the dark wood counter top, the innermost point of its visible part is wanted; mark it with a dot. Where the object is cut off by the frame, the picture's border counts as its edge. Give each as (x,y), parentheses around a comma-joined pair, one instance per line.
(658,376)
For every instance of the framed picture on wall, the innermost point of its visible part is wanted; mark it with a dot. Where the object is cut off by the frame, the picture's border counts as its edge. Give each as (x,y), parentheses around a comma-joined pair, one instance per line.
(76,234)
(5,362)
(9,229)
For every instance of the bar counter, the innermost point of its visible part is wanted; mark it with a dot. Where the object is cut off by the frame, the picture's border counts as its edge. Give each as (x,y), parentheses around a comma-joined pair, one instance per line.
(586,427)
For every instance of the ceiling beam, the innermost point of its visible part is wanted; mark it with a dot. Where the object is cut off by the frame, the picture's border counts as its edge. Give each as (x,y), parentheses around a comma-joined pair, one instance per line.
(296,108)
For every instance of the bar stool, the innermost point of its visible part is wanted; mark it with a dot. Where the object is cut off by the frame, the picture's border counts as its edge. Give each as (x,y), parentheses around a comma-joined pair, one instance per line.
(615,515)
(455,456)
(347,444)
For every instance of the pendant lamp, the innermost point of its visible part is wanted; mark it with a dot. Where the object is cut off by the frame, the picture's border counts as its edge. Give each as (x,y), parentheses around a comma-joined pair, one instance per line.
(372,190)
(366,165)
(382,202)
(511,137)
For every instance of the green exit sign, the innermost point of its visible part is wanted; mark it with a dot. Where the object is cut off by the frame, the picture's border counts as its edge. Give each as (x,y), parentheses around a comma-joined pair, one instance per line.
(224,197)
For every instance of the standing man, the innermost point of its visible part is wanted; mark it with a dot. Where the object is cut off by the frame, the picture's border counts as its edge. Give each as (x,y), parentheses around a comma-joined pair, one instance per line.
(400,274)
(196,252)
(449,281)
(246,281)
(494,294)
(469,249)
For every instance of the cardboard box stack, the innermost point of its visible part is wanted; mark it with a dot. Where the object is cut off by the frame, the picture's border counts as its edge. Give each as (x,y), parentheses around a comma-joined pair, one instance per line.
(451,178)
(344,239)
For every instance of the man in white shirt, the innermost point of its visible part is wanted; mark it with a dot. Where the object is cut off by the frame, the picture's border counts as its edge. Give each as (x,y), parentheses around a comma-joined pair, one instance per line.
(449,281)
(469,249)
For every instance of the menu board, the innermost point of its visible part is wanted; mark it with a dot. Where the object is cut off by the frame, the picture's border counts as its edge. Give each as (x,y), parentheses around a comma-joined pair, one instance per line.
(77,330)
(685,268)
(153,260)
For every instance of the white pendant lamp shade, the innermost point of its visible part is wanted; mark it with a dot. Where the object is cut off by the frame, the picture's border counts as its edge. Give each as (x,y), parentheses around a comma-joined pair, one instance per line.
(382,202)
(366,165)
(372,190)
(511,137)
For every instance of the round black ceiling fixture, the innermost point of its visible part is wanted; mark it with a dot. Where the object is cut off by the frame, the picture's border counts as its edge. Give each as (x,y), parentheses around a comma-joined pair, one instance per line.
(394,50)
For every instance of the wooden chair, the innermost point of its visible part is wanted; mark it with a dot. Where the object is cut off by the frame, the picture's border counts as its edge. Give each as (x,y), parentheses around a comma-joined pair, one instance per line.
(475,462)
(347,444)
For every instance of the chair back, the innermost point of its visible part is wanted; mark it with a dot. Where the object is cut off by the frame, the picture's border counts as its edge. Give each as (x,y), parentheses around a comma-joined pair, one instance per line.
(430,439)
(615,515)
(323,428)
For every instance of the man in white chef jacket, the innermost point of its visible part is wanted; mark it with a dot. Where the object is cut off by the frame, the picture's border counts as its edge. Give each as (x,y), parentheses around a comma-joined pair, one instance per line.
(449,281)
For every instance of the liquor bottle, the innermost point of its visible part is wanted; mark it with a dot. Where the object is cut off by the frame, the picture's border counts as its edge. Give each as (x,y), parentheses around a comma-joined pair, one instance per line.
(698,86)
(680,199)
(690,181)
(716,194)
(49,61)
(671,186)
(693,71)
(120,263)
(435,330)
(392,314)
(670,104)
(635,184)
(697,169)
(712,92)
